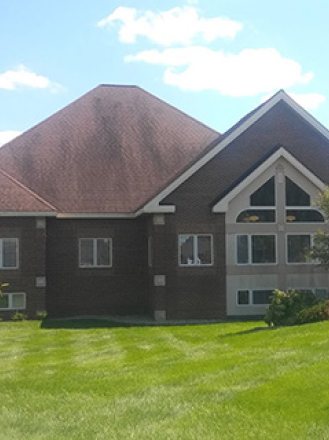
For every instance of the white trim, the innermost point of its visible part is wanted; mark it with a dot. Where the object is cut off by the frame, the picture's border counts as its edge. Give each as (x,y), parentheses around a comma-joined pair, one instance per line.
(95,265)
(195,250)
(10,301)
(222,205)
(27,214)
(249,243)
(251,297)
(165,209)
(1,253)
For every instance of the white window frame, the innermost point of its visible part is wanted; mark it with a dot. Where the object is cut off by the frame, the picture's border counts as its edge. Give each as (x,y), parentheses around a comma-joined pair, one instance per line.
(1,253)
(249,238)
(311,245)
(95,265)
(195,250)
(251,297)
(10,301)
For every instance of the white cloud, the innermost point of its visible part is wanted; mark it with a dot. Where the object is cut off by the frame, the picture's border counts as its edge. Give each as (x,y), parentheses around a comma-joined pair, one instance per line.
(248,73)
(6,136)
(310,101)
(180,25)
(22,76)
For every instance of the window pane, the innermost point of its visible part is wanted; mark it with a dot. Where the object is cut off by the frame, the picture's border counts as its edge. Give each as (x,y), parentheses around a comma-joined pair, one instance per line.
(263,249)
(4,302)
(86,252)
(103,252)
(304,216)
(257,216)
(296,196)
(204,249)
(186,249)
(242,249)
(261,296)
(298,246)
(265,195)
(9,252)
(243,297)
(18,301)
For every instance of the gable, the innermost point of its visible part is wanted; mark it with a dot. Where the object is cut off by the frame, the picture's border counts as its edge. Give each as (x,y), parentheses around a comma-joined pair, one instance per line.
(280,159)
(281,168)
(279,121)
(280,125)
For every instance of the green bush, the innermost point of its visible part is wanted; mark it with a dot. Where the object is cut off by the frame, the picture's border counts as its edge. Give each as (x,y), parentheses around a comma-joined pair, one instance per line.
(316,313)
(41,315)
(18,316)
(286,306)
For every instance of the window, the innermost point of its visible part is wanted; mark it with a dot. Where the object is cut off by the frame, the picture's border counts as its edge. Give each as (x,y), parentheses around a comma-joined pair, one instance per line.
(10,301)
(304,216)
(265,195)
(256,216)
(257,297)
(195,250)
(95,252)
(8,253)
(256,249)
(297,248)
(296,196)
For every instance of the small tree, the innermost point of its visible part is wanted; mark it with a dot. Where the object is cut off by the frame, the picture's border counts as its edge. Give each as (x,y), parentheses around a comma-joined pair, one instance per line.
(320,249)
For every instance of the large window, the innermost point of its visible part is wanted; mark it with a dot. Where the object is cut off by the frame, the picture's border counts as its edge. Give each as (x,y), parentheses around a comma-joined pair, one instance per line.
(8,253)
(256,297)
(296,196)
(95,252)
(265,195)
(256,249)
(12,301)
(298,247)
(195,250)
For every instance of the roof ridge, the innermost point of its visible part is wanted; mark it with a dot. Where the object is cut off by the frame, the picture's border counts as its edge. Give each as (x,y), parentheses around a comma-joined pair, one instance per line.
(177,109)
(28,190)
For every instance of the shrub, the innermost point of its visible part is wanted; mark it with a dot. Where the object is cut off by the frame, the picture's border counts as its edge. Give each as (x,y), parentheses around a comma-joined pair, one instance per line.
(41,315)
(316,313)
(19,316)
(285,306)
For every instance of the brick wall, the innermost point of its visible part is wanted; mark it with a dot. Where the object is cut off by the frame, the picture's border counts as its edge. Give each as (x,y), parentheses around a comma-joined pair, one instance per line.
(121,289)
(31,263)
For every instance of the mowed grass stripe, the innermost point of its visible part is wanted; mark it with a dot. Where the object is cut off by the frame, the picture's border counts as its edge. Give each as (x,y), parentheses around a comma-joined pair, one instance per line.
(218,381)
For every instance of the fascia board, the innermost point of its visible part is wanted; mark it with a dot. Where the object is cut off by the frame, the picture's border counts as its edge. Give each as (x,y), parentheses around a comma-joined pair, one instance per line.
(222,205)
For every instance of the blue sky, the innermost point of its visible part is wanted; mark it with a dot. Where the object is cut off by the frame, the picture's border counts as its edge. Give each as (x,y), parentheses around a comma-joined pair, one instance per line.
(214,59)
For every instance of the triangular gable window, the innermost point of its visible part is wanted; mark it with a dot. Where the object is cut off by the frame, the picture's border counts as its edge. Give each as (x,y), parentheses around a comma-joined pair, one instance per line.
(296,196)
(265,195)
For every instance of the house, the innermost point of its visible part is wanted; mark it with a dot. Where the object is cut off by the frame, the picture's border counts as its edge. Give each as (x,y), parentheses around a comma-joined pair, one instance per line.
(122,204)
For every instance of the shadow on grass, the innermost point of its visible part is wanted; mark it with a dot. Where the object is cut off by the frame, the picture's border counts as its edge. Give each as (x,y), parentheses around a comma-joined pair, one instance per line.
(249,331)
(79,324)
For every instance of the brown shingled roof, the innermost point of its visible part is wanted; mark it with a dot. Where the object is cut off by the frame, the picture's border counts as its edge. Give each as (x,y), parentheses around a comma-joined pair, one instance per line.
(108,152)
(15,197)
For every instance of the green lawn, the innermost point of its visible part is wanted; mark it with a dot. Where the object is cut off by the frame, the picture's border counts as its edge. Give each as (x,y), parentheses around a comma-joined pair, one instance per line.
(218,381)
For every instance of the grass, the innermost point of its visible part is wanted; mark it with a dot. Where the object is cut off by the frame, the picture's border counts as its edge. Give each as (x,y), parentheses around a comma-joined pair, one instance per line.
(89,380)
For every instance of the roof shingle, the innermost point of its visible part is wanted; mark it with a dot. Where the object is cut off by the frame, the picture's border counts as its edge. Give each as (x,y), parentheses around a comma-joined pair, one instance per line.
(108,152)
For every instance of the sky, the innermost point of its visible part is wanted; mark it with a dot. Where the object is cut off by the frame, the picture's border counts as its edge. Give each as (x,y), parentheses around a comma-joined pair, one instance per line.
(216,60)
